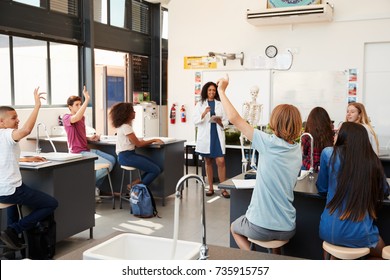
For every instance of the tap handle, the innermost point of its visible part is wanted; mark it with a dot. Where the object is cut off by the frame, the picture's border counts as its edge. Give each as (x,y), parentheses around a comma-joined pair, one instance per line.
(204,252)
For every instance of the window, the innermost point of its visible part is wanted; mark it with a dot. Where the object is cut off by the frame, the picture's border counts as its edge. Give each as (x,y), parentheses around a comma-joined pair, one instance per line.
(5,74)
(35,3)
(69,7)
(164,33)
(100,11)
(30,69)
(64,72)
(140,17)
(117,13)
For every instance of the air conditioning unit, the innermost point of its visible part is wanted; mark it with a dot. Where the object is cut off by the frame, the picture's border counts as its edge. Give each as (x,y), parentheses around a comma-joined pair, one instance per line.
(290,15)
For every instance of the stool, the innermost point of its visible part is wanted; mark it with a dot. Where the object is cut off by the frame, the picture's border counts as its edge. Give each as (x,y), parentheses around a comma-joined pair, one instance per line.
(106,166)
(344,253)
(25,245)
(269,245)
(122,194)
(386,253)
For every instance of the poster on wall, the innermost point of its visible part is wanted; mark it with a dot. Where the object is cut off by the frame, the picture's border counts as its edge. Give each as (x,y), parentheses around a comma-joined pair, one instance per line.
(352,85)
(290,3)
(198,86)
(200,62)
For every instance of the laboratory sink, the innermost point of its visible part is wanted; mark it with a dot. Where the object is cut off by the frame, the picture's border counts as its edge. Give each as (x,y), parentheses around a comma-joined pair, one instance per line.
(129,246)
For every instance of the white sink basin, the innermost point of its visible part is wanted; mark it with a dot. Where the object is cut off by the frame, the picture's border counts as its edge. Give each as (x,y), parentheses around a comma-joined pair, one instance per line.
(57,156)
(129,246)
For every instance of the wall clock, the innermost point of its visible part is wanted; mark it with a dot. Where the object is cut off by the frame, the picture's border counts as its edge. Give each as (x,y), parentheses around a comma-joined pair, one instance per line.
(271,51)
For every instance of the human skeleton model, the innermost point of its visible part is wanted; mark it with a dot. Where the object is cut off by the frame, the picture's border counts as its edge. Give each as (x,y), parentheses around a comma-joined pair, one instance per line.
(251,112)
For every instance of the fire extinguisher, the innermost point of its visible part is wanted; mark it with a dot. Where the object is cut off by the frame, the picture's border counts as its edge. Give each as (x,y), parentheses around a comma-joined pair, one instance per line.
(183,113)
(172,114)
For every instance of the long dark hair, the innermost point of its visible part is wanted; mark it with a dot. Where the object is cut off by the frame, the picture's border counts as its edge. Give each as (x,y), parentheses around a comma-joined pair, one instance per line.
(206,86)
(360,179)
(319,126)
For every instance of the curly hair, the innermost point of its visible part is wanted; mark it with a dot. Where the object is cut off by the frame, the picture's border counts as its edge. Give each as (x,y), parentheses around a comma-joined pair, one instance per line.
(286,122)
(319,126)
(206,86)
(121,113)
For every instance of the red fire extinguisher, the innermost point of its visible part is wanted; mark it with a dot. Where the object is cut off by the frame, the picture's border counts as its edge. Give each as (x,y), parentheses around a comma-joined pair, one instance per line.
(183,113)
(172,114)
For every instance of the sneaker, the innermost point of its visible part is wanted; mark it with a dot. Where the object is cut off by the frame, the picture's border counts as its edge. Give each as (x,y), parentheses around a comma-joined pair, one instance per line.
(11,239)
(97,191)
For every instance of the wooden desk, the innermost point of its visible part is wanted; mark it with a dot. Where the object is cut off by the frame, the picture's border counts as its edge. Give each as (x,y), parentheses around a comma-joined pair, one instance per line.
(309,207)
(72,183)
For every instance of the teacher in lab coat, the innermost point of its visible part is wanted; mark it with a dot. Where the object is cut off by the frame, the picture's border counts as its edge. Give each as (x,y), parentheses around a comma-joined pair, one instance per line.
(210,120)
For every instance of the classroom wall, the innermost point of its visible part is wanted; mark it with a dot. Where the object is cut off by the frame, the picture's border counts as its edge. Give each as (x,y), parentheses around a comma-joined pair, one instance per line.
(197,27)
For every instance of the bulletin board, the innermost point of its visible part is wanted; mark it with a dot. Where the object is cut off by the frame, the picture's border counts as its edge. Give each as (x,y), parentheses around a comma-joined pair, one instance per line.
(306,90)
(240,83)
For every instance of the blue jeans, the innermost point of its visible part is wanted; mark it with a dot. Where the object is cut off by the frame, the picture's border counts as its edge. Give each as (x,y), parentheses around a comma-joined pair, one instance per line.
(102,158)
(151,169)
(40,203)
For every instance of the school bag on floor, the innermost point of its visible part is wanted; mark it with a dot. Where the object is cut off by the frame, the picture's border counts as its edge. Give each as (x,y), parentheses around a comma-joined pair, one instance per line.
(142,203)
(42,239)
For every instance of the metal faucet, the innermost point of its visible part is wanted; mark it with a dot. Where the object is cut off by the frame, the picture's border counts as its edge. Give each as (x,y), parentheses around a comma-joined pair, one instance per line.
(204,250)
(311,169)
(38,149)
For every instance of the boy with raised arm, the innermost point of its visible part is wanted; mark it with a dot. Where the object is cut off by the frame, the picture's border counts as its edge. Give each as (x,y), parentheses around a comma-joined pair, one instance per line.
(74,124)
(271,213)
(12,189)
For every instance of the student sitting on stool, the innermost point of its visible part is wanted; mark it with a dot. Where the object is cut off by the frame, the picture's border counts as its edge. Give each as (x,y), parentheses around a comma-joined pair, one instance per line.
(12,189)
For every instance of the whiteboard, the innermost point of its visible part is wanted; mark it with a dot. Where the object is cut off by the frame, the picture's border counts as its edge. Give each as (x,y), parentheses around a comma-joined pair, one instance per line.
(307,90)
(376,91)
(240,83)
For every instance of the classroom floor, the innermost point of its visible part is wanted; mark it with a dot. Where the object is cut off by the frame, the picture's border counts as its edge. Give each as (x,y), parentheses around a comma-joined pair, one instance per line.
(108,220)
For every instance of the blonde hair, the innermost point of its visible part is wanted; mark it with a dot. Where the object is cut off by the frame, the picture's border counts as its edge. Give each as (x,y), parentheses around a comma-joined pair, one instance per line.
(286,122)
(363,119)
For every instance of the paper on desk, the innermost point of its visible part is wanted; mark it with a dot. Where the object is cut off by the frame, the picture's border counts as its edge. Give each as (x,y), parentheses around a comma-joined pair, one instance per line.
(244,184)
(33,163)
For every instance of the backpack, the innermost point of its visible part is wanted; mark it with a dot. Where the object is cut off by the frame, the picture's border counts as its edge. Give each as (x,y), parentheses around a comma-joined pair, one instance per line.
(142,203)
(42,239)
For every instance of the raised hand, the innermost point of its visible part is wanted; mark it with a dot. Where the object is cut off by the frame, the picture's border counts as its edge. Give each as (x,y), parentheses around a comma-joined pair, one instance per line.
(86,93)
(223,83)
(38,96)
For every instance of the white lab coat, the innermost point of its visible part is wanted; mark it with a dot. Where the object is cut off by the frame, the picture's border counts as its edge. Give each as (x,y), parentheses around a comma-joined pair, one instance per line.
(203,135)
